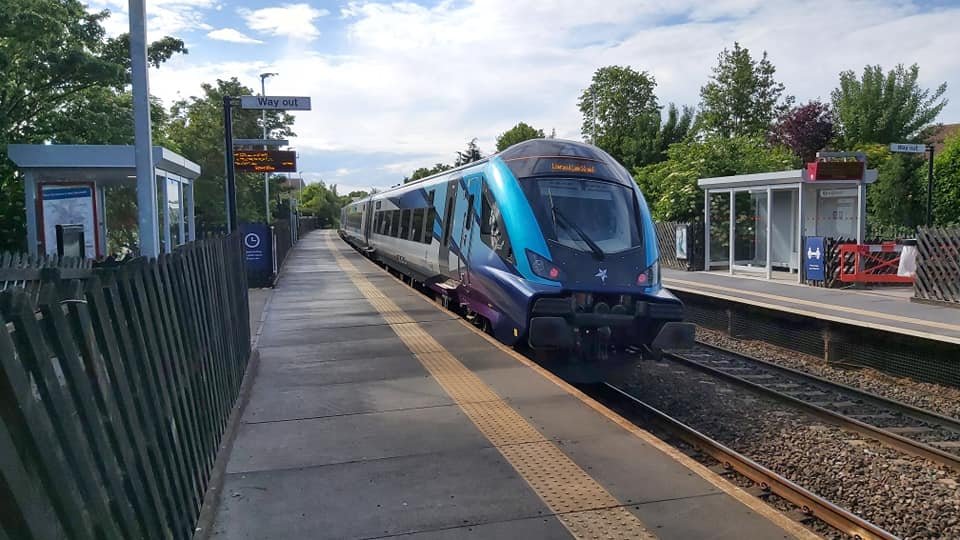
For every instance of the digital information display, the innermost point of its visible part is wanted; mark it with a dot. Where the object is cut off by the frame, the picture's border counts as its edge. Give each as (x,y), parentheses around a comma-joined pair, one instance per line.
(265,161)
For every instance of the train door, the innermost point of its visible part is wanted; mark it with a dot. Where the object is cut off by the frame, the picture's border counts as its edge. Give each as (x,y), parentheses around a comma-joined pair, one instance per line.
(368,222)
(468,232)
(447,237)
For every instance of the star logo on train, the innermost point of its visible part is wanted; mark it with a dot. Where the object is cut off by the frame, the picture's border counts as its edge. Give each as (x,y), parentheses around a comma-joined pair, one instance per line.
(602,274)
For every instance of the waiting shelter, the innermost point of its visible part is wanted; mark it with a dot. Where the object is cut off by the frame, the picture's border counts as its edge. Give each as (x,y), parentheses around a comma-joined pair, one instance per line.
(66,189)
(757,222)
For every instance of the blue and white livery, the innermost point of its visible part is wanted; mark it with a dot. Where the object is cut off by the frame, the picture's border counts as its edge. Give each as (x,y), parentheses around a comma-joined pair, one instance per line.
(548,243)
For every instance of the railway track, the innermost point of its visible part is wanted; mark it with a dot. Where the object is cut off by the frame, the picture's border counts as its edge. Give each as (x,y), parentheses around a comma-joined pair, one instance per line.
(810,504)
(904,427)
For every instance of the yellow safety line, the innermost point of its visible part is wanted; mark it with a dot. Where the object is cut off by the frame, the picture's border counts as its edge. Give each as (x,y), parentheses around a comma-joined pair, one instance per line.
(752,502)
(696,288)
(584,507)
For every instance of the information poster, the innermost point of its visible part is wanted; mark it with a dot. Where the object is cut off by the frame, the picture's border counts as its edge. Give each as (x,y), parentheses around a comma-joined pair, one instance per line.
(68,205)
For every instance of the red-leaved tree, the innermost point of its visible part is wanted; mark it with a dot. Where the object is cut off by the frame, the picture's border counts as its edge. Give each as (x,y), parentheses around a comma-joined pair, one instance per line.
(805,129)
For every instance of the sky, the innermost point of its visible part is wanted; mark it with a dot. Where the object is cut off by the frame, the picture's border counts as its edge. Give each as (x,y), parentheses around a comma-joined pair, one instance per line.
(399,85)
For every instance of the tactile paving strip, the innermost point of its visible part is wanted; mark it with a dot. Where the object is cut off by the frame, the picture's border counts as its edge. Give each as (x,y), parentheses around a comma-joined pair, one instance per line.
(584,507)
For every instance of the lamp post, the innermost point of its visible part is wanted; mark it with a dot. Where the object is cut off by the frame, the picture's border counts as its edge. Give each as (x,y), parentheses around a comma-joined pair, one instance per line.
(143,146)
(263,122)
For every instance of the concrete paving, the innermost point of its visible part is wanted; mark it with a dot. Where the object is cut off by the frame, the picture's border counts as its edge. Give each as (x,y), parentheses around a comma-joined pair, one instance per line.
(347,435)
(871,309)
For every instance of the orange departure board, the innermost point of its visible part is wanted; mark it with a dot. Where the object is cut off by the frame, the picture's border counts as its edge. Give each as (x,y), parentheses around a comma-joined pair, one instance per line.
(265,161)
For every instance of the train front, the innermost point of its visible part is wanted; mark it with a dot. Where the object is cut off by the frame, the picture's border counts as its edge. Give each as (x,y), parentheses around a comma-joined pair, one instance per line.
(601,249)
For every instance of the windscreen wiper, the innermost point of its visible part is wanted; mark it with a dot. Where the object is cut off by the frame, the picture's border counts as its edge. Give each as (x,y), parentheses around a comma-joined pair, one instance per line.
(597,252)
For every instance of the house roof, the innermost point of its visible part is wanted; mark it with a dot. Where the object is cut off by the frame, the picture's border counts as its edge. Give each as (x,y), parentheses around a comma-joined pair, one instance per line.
(941,133)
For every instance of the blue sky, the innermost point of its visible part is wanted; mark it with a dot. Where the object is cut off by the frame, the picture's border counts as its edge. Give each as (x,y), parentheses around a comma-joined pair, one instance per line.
(397,85)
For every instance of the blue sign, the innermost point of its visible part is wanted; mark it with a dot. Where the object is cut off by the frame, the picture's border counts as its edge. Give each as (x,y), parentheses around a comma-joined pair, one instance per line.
(814,255)
(258,249)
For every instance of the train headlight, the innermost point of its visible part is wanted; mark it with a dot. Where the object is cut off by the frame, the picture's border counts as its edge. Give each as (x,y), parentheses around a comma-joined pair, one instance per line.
(649,277)
(543,267)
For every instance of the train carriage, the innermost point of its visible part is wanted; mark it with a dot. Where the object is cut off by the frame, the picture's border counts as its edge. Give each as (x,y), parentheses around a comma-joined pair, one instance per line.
(549,243)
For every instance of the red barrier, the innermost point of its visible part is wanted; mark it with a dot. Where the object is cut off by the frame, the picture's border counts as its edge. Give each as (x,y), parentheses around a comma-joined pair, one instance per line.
(871,263)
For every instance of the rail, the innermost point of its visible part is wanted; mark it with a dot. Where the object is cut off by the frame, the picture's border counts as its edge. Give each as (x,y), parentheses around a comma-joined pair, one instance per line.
(810,503)
(886,435)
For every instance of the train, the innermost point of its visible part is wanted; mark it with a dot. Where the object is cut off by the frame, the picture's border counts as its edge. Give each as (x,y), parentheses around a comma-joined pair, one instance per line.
(548,244)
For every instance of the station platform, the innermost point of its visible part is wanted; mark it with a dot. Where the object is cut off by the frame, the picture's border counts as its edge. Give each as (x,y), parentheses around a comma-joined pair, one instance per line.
(888,310)
(374,413)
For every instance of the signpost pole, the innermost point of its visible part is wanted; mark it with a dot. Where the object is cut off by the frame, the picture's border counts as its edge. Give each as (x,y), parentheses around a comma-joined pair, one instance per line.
(143,145)
(231,179)
(930,187)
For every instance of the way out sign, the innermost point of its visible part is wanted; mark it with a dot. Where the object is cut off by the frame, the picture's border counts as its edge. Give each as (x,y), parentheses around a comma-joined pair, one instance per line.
(279,103)
(908,148)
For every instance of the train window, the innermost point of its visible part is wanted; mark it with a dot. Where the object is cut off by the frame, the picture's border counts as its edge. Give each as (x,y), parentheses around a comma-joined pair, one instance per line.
(417,227)
(469,222)
(492,231)
(428,228)
(430,195)
(404,224)
(378,204)
(394,222)
(448,217)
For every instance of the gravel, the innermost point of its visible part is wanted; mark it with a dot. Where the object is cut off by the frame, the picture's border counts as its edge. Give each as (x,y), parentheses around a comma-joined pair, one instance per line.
(910,497)
(933,397)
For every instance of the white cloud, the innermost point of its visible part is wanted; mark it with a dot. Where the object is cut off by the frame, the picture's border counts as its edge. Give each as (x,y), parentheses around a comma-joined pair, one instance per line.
(164,17)
(291,20)
(413,81)
(232,35)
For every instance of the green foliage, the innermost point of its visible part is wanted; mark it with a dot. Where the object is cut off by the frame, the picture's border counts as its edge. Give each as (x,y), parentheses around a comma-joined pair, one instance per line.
(742,97)
(878,108)
(621,114)
(897,198)
(323,202)
(517,134)
(671,187)
(946,186)
(197,125)
(424,172)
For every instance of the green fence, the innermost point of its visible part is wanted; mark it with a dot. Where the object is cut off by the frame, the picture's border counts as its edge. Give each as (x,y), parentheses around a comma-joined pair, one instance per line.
(115,390)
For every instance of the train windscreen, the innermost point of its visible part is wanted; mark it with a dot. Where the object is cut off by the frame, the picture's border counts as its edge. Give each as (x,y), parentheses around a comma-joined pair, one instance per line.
(585,215)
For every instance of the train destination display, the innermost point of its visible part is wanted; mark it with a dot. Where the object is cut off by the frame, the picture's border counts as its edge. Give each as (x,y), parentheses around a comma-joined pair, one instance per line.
(265,161)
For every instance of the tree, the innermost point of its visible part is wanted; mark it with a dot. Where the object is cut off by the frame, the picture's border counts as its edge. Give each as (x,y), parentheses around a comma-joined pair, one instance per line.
(621,114)
(322,202)
(897,200)
(678,127)
(471,154)
(197,124)
(946,187)
(671,186)
(805,129)
(424,172)
(742,97)
(52,51)
(517,134)
(884,109)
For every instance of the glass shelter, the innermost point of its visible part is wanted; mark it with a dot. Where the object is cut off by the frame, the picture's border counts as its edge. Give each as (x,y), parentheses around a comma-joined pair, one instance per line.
(66,188)
(755,223)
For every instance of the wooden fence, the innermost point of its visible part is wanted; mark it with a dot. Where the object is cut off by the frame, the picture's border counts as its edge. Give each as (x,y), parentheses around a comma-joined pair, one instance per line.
(115,389)
(22,271)
(938,265)
(666,242)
